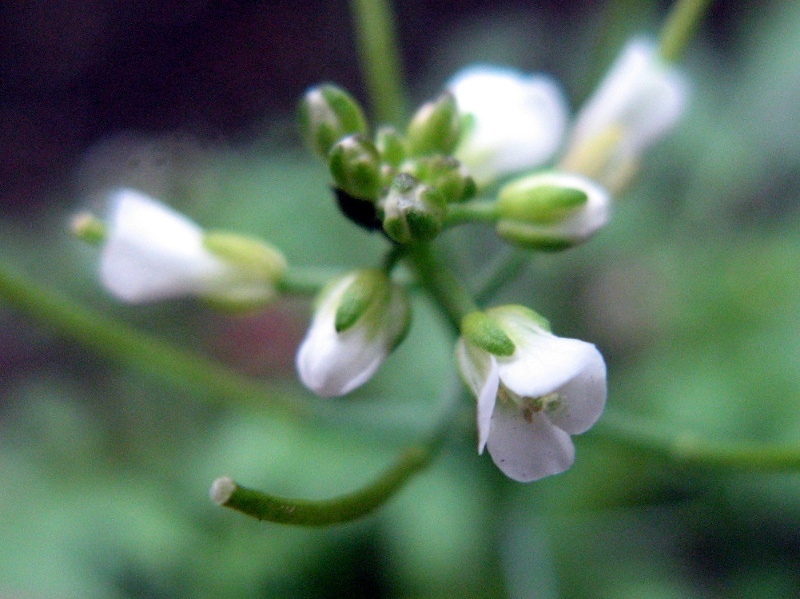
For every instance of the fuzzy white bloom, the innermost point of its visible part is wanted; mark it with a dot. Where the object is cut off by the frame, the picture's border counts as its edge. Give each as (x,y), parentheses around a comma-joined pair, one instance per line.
(532,400)
(359,319)
(153,253)
(514,121)
(551,210)
(640,99)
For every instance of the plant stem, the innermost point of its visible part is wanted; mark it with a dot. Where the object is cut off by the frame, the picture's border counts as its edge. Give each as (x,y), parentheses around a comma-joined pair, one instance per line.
(116,340)
(688,447)
(306,280)
(345,508)
(450,295)
(380,58)
(681,24)
(484,211)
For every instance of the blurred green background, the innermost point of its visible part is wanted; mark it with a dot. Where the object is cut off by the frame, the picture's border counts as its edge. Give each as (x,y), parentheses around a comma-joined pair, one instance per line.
(692,293)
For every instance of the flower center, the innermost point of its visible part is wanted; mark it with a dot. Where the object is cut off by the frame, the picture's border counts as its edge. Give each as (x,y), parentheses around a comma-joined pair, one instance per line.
(549,404)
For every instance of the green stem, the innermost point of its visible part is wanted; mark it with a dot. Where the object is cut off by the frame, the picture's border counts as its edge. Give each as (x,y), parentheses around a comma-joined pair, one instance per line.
(380,58)
(114,339)
(506,267)
(682,446)
(450,295)
(306,280)
(683,20)
(345,508)
(483,211)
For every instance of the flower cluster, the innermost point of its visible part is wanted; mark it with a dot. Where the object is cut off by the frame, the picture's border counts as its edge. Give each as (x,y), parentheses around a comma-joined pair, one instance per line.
(484,136)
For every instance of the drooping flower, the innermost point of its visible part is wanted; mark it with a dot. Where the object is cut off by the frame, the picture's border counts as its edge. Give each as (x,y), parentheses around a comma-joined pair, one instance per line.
(640,99)
(359,319)
(513,121)
(150,252)
(534,390)
(551,211)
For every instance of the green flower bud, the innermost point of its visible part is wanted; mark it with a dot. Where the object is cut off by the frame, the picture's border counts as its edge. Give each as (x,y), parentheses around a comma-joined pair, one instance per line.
(327,114)
(356,167)
(551,211)
(435,127)
(482,330)
(412,211)
(391,146)
(446,175)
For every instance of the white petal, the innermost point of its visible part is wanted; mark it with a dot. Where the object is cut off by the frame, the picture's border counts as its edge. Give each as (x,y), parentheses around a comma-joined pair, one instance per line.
(583,397)
(479,370)
(519,120)
(152,252)
(641,94)
(527,451)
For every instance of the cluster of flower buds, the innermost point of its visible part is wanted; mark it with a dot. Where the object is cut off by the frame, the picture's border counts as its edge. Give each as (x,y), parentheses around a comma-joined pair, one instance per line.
(401,182)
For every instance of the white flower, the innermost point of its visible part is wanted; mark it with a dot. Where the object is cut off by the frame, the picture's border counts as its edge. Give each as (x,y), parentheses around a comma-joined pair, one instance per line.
(532,399)
(638,102)
(153,253)
(515,121)
(360,318)
(551,211)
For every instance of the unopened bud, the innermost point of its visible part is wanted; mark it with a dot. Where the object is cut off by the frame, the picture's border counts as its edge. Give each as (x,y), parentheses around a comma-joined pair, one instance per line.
(356,167)
(435,127)
(327,114)
(551,211)
(391,146)
(447,176)
(412,211)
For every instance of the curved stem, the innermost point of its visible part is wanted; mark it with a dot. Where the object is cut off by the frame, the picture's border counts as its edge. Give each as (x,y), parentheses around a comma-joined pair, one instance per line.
(682,446)
(380,58)
(449,293)
(260,505)
(683,20)
(117,340)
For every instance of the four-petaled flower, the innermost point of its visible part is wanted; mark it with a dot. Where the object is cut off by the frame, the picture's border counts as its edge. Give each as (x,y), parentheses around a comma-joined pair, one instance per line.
(541,390)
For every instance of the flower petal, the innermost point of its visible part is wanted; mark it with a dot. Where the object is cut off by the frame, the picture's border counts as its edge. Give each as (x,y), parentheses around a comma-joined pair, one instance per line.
(528,450)
(153,252)
(479,370)
(583,397)
(518,120)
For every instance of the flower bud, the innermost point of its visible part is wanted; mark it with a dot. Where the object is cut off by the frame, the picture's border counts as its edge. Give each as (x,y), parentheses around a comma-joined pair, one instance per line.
(327,114)
(391,146)
(435,127)
(551,211)
(412,211)
(446,175)
(359,319)
(356,167)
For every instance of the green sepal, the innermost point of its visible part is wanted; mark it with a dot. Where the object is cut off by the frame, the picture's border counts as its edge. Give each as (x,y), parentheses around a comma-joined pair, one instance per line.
(355,165)
(528,201)
(435,128)
(263,260)
(369,287)
(88,228)
(531,237)
(485,332)
(327,113)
